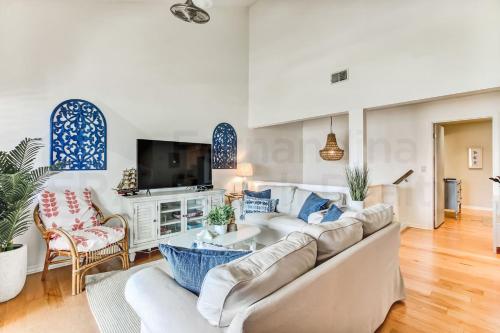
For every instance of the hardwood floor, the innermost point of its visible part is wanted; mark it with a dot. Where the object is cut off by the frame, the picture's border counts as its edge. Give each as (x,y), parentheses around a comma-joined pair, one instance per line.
(452,281)
(452,278)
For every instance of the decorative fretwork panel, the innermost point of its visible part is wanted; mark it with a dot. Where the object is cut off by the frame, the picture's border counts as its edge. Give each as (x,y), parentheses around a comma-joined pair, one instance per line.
(78,136)
(225,143)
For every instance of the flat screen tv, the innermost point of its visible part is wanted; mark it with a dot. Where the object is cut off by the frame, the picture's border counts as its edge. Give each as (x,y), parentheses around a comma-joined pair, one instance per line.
(162,164)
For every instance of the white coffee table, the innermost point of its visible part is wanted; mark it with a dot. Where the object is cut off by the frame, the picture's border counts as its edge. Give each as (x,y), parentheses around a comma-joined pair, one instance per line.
(245,234)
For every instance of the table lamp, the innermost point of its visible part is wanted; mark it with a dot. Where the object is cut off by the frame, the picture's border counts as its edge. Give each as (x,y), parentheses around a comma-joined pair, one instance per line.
(244,170)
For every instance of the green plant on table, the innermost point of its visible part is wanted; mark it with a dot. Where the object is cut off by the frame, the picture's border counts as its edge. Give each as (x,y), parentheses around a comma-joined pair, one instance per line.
(357,181)
(220,215)
(20,182)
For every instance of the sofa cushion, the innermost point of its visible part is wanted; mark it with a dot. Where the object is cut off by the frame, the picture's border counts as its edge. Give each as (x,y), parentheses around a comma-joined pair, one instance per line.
(337,198)
(189,266)
(260,218)
(312,204)
(231,288)
(283,193)
(375,218)
(69,209)
(255,194)
(334,237)
(285,224)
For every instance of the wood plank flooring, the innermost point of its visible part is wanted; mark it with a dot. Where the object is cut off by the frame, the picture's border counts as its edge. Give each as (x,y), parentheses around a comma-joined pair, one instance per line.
(452,280)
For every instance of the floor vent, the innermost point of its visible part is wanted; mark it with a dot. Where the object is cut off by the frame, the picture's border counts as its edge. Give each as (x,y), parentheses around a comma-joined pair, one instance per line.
(339,76)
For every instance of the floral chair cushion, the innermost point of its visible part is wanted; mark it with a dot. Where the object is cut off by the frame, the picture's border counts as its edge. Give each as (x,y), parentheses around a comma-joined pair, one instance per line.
(68,209)
(89,239)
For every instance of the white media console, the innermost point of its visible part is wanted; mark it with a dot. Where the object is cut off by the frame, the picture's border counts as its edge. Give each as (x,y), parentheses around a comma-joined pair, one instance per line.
(156,217)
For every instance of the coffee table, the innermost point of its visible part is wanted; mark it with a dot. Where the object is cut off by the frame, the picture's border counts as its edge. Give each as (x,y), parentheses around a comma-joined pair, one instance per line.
(244,235)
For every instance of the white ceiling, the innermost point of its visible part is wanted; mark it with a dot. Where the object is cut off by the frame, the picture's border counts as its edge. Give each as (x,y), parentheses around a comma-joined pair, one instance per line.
(234,3)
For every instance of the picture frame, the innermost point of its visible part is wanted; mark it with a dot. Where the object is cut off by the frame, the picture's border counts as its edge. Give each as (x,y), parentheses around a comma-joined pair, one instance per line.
(475,158)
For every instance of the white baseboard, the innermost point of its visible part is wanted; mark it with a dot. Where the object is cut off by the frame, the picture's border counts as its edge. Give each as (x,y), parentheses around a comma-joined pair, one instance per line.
(38,268)
(488,209)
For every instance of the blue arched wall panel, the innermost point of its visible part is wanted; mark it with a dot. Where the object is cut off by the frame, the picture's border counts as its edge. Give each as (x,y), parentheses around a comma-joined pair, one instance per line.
(78,136)
(225,147)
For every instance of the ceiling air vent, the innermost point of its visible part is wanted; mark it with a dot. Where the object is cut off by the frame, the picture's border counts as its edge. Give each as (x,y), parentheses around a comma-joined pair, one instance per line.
(339,76)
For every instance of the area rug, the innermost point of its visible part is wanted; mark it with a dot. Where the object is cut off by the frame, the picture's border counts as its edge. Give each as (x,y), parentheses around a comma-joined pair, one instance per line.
(105,294)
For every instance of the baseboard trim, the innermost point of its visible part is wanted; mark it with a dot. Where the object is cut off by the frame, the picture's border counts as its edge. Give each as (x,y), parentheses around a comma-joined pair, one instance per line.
(488,209)
(38,268)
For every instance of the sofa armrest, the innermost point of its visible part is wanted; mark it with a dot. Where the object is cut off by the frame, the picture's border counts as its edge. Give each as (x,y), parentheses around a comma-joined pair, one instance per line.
(163,305)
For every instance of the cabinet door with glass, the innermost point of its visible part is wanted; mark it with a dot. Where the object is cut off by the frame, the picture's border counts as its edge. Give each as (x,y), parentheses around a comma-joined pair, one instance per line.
(196,212)
(170,218)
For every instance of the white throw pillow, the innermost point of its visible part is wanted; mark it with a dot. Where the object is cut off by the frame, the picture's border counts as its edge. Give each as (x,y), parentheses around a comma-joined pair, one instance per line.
(336,198)
(299,198)
(283,193)
(334,237)
(316,217)
(375,218)
(231,288)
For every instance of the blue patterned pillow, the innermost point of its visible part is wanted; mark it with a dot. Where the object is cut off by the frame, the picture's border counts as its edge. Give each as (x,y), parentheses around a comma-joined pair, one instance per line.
(333,214)
(312,204)
(261,195)
(258,205)
(189,266)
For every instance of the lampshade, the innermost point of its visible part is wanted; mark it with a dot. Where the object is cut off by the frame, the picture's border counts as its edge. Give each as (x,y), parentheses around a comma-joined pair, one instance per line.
(331,152)
(244,170)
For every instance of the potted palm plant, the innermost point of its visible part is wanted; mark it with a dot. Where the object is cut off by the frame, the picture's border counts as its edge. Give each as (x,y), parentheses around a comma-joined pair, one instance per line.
(20,182)
(219,217)
(357,181)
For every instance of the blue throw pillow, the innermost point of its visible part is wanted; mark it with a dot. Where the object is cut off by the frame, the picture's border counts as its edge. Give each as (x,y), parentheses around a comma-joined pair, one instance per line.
(257,205)
(261,195)
(312,204)
(190,266)
(333,214)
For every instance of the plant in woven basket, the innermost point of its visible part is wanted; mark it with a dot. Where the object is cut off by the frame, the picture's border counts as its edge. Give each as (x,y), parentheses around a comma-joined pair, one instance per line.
(220,215)
(20,182)
(357,181)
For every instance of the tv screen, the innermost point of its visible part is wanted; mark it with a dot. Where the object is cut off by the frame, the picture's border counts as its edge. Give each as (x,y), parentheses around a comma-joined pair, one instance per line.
(163,164)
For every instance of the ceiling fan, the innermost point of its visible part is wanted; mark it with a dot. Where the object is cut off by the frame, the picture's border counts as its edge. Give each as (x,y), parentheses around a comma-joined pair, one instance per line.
(192,11)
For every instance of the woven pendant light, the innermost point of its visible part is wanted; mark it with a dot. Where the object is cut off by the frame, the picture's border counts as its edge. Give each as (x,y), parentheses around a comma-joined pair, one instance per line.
(331,152)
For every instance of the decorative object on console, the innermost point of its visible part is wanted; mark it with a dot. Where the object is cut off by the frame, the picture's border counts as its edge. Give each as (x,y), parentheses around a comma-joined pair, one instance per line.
(78,136)
(312,204)
(225,147)
(233,196)
(190,12)
(331,152)
(244,170)
(189,266)
(74,227)
(128,183)
(357,181)
(19,185)
(219,217)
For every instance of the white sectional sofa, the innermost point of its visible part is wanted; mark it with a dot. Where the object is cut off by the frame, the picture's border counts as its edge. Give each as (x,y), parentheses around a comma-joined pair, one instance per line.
(275,226)
(349,288)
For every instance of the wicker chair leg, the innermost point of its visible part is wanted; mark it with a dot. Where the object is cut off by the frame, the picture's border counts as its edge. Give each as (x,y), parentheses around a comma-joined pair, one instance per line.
(125,261)
(46,265)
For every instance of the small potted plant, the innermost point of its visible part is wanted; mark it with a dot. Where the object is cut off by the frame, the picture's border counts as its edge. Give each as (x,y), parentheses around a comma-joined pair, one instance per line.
(219,217)
(357,181)
(20,182)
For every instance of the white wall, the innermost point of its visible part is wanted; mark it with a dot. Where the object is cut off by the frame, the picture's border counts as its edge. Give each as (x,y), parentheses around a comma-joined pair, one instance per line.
(152,75)
(315,169)
(400,138)
(458,138)
(396,51)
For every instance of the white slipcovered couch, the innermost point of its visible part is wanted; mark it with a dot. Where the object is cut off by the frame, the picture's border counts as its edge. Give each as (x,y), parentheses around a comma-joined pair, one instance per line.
(340,276)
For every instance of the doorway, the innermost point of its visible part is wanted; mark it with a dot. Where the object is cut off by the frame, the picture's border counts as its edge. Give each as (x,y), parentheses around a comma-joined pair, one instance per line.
(462,166)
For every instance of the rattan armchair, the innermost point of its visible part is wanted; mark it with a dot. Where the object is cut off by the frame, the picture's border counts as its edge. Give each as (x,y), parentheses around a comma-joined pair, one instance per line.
(81,261)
